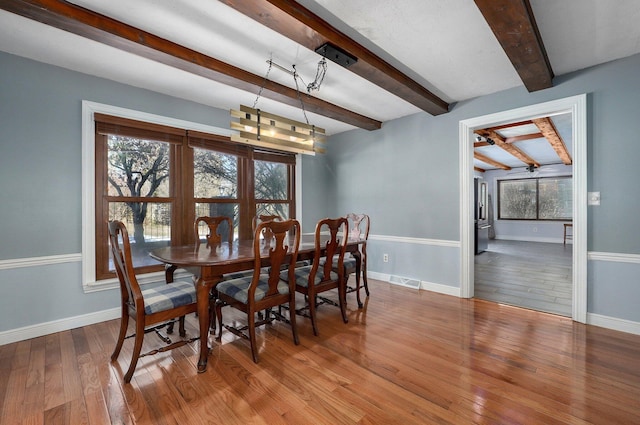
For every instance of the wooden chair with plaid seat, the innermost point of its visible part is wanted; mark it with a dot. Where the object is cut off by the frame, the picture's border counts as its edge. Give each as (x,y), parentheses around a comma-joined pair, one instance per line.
(321,276)
(263,291)
(358,229)
(219,229)
(261,218)
(152,309)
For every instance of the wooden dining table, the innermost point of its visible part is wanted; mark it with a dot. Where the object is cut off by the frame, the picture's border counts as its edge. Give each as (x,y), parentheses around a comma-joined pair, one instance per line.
(215,261)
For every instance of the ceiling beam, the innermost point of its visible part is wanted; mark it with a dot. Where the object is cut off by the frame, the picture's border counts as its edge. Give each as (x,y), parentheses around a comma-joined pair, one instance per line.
(500,142)
(480,170)
(522,137)
(97,27)
(551,134)
(306,28)
(514,25)
(490,161)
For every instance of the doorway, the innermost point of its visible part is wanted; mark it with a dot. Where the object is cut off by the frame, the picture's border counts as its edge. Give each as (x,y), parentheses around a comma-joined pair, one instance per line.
(576,106)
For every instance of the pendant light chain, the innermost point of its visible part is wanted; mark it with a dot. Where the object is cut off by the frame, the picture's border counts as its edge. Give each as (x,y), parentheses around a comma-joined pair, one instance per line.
(315,85)
(264,82)
(295,79)
(296,76)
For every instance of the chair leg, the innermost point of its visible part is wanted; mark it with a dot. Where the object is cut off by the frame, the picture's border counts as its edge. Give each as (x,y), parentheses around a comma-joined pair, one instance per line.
(219,305)
(181,329)
(212,317)
(364,277)
(292,319)
(252,336)
(312,312)
(357,285)
(342,294)
(124,323)
(137,346)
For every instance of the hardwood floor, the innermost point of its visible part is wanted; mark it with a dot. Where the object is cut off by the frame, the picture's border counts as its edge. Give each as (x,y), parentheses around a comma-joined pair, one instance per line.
(532,275)
(409,357)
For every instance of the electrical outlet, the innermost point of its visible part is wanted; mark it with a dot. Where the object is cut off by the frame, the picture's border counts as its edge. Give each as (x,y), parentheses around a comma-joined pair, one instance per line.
(385,258)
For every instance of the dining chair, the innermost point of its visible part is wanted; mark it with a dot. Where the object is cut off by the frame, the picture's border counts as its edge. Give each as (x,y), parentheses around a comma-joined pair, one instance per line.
(152,309)
(356,263)
(358,229)
(263,291)
(220,229)
(261,218)
(320,276)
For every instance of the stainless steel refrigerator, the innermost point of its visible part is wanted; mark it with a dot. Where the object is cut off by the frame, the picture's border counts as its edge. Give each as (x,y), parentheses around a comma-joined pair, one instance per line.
(481,215)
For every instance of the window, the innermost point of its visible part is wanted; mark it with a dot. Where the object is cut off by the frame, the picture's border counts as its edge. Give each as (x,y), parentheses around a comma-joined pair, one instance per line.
(218,180)
(158,179)
(274,191)
(535,199)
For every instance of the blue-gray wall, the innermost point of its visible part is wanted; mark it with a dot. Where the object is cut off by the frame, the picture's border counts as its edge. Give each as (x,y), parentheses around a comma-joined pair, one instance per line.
(405,175)
(41,182)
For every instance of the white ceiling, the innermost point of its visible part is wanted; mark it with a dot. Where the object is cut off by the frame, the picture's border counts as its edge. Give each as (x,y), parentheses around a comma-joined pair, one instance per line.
(445,45)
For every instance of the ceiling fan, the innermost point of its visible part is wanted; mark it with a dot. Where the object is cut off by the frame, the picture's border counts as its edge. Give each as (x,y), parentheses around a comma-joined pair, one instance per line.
(532,171)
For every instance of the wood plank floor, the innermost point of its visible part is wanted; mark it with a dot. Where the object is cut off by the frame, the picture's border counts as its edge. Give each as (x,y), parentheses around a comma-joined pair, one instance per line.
(408,357)
(532,275)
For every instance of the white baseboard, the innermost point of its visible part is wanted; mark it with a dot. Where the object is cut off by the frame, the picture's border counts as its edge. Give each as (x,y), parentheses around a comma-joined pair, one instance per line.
(614,323)
(427,286)
(440,288)
(34,331)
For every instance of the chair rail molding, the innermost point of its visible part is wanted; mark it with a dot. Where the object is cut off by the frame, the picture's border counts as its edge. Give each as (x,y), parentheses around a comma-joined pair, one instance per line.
(419,241)
(614,257)
(17,263)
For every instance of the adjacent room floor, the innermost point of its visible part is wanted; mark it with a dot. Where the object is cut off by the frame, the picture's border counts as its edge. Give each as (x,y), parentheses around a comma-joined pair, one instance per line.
(532,275)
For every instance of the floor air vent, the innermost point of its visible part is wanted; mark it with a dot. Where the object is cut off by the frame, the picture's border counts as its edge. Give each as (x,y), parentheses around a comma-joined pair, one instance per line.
(403,281)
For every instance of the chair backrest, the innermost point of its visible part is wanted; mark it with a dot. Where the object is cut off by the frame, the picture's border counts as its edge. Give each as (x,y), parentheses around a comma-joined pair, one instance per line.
(282,248)
(331,235)
(261,219)
(121,254)
(216,229)
(358,226)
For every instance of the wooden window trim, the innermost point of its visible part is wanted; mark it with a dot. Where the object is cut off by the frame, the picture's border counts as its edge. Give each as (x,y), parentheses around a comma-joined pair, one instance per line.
(181,181)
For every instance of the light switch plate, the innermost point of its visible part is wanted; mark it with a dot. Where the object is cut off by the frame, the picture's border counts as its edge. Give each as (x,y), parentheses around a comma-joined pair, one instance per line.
(593,198)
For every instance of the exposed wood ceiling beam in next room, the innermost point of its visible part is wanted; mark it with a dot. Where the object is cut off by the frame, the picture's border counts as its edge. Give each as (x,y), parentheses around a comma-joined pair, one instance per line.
(97,27)
(515,27)
(304,27)
(551,134)
(500,142)
(504,138)
(490,161)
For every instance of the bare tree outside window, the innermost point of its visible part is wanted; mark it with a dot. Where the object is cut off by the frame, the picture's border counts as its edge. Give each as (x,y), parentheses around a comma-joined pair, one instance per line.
(215,177)
(271,185)
(535,199)
(138,169)
(215,174)
(157,179)
(556,199)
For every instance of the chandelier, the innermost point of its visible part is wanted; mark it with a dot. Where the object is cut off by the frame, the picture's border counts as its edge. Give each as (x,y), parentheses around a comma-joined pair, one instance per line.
(259,128)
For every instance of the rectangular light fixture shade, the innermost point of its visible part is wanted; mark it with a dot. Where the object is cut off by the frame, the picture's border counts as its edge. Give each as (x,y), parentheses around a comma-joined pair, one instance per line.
(258,128)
